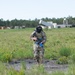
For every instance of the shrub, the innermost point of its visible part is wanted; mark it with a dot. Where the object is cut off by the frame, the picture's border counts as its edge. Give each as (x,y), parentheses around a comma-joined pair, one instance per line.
(64,51)
(7,57)
(62,60)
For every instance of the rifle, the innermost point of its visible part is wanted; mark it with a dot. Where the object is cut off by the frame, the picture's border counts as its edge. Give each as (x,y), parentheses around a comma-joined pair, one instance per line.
(38,42)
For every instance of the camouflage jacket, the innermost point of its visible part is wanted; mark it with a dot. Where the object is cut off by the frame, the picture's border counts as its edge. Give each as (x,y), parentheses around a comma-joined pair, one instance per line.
(40,36)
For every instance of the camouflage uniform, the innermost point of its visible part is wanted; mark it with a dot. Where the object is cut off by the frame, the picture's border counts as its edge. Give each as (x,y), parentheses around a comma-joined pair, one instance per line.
(39,51)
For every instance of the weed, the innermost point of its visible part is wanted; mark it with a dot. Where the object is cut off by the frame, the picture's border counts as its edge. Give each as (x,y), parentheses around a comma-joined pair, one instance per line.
(62,60)
(64,51)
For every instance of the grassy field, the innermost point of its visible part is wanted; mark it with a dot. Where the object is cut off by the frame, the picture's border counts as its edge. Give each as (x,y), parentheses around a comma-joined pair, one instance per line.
(16,44)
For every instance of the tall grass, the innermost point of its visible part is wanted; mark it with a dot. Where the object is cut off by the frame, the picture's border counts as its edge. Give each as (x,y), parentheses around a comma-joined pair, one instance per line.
(16,44)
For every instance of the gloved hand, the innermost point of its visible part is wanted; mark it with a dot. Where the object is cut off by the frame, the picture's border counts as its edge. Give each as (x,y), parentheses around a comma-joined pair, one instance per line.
(41,45)
(34,38)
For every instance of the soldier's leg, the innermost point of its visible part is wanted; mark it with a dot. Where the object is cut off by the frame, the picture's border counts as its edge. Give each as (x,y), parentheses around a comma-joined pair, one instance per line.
(37,57)
(41,55)
(36,52)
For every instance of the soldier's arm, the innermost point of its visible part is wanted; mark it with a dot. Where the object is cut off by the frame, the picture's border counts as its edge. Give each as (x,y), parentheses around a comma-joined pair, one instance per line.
(44,38)
(32,37)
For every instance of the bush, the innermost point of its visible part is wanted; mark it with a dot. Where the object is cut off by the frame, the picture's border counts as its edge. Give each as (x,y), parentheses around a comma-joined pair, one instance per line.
(65,51)
(62,60)
(7,57)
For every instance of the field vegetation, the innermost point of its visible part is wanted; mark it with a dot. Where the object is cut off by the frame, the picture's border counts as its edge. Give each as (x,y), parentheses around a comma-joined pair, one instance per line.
(16,44)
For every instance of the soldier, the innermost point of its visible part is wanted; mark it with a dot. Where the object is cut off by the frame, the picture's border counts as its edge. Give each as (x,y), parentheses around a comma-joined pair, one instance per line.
(39,38)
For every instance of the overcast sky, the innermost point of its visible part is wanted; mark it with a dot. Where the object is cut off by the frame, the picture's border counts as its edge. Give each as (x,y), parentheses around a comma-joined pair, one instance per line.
(31,9)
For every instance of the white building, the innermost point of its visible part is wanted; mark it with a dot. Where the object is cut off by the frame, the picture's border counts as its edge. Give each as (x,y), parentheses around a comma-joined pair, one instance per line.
(51,25)
(48,25)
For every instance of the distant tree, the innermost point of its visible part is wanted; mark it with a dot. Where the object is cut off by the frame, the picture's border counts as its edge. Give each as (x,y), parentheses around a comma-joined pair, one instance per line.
(35,22)
(69,19)
(7,23)
(2,22)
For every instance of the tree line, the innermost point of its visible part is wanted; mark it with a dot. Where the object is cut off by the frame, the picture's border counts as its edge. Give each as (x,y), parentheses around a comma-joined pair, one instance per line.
(35,22)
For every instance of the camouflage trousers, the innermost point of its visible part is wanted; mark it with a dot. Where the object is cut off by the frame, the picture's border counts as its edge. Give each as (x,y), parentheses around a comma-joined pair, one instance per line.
(38,53)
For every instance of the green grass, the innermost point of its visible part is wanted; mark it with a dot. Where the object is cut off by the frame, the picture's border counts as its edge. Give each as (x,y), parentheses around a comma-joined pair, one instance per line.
(16,44)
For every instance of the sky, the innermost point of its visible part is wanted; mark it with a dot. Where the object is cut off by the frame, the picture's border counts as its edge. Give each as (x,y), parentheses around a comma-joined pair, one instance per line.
(32,9)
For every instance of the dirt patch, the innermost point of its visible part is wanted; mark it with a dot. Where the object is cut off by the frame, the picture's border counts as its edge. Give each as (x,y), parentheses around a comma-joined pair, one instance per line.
(49,65)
